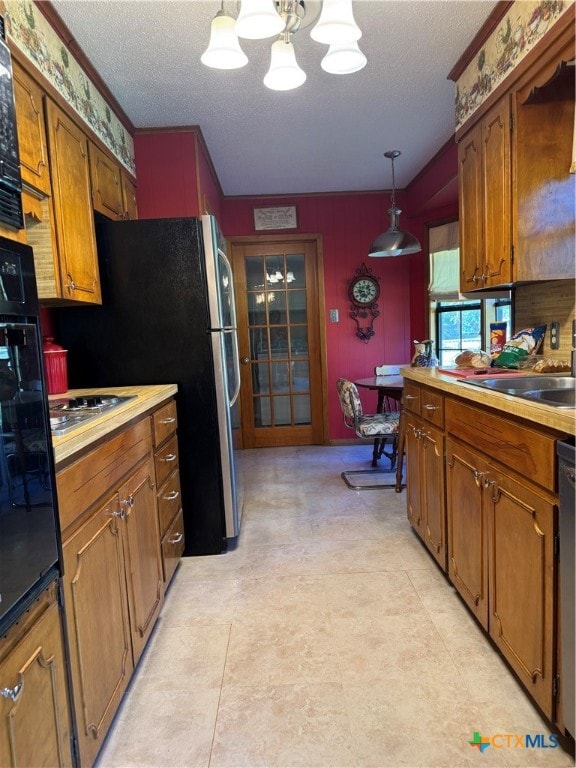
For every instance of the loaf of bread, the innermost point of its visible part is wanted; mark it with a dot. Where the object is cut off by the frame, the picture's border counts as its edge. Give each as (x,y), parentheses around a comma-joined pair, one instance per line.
(549,365)
(470,359)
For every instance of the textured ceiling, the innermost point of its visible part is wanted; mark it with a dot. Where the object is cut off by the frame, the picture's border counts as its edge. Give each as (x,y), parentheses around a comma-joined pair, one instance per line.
(330,134)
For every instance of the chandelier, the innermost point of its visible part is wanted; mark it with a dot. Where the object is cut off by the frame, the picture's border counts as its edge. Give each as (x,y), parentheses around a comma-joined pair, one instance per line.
(260,19)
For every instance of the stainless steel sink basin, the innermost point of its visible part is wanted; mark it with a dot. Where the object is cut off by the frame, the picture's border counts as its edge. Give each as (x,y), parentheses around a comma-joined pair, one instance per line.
(560,398)
(515,385)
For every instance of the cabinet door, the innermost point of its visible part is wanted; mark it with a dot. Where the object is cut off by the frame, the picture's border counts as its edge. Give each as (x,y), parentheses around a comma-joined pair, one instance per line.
(98,624)
(432,490)
(143,554)
(470,197)
(521,555)
(70,171)
(413,479)
(35,723)
(497,196)
(129,198)
(467,534)
(31,131)
(106,186)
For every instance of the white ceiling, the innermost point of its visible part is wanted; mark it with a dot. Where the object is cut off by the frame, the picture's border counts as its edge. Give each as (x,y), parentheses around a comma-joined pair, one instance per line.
(330,134)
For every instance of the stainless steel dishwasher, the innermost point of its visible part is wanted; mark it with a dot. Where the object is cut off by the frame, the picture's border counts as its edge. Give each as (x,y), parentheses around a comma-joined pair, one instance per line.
(567,515)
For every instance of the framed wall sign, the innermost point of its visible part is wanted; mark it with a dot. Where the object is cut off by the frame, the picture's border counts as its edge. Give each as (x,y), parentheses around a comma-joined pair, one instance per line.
(275,217)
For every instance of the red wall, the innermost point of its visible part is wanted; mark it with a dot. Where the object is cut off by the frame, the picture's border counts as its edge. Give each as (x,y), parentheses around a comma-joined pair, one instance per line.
(175,175)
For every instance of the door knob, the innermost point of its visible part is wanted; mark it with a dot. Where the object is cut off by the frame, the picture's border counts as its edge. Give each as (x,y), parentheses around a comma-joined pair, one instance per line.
(245,360)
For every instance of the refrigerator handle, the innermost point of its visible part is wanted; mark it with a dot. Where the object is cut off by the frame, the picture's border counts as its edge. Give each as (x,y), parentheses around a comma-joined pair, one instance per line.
(236,370)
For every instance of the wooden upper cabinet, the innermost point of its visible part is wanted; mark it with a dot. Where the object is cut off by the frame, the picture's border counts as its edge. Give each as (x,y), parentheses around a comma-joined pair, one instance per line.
(129,197)
(485,186)
(31,131)
(74,219)
(106,184)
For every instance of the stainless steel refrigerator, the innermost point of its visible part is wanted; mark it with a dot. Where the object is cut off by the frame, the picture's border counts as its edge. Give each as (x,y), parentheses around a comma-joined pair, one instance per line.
(168,316)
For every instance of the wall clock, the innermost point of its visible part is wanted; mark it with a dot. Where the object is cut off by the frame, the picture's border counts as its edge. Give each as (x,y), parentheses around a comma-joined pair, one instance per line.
(363,292)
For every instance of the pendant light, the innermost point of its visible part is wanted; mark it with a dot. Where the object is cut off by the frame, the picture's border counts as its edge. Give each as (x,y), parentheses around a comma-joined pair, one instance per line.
(336,23)
(284,73)
(343,59)
(258,19)
(223,50)
(394,242)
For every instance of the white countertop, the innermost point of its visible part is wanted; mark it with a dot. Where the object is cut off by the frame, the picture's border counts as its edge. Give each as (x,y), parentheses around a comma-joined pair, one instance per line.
(560,419)
(82,436)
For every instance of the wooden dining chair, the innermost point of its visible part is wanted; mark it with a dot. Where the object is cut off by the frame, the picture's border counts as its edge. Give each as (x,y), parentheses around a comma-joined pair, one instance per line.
(367,427)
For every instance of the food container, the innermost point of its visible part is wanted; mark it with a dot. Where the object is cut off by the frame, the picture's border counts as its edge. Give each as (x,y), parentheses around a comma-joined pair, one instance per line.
(55,366)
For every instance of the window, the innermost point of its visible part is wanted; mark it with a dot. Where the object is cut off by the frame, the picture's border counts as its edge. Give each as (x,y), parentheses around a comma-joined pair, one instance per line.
(458,322)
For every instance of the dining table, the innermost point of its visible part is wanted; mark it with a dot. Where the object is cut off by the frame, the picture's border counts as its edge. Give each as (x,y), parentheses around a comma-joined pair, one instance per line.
(389,386)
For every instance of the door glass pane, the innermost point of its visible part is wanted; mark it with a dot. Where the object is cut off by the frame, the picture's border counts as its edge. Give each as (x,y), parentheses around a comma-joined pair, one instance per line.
(262,412)
(256,309)
(295,271)
(302,409)
(280,377)
(297,304)
(300,376)
(279,341)
(277,307)
(255,273)
(299,341)
(260,381)
(258,343)
(282,415)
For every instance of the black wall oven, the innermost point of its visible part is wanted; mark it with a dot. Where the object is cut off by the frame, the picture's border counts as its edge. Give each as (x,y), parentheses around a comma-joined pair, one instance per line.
(29,534)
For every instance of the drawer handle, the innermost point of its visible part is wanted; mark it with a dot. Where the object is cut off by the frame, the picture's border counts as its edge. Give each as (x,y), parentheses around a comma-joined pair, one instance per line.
(11,693)
(410,397)
(118,513)
(168,457)
(169,420)
(430,407)
(176,539)
(171,496)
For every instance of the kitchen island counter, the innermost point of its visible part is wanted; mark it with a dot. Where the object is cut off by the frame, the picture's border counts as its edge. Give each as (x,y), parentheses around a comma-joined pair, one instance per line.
(145,398)
(562,420)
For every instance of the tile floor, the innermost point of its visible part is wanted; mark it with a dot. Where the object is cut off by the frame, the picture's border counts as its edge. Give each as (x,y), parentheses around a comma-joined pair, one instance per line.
(327,638)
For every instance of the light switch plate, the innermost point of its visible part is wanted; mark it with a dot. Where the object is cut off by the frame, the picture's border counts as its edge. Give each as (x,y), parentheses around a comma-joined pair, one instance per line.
(334,316)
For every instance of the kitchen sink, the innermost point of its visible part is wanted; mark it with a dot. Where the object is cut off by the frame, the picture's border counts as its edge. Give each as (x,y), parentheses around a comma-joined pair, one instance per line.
(560,398)
(558,391)
(513,385)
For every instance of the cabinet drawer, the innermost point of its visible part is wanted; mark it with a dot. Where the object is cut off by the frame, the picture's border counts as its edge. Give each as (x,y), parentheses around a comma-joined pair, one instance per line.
(432,407)
(164,422)
(411,397)
(84,481)
(169,501)
(529,451)
(173,546)
(166,460)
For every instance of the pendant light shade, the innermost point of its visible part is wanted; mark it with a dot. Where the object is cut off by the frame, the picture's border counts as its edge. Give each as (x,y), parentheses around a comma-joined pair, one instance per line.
(394,242)
(284,73)
(336,23)
(223,50)
(258,19)
(343,59)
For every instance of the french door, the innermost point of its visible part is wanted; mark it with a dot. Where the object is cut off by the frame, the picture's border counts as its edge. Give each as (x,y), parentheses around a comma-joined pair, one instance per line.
(278,282)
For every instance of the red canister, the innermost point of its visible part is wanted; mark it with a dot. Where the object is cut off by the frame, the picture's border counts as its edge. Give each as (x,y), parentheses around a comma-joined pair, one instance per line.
(55,366)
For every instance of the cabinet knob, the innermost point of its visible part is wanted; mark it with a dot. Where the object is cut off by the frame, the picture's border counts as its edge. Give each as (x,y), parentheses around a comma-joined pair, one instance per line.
(245,360)
(11,693)
(477,476)
(129,502)
(118,513)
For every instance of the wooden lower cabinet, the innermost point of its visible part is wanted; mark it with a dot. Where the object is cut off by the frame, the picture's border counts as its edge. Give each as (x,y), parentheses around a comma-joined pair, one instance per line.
(521,564)
(34,712)
(466,522)
(113,581)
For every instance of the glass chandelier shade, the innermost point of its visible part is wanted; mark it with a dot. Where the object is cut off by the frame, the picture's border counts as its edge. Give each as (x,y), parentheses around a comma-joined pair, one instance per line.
(258,19)
(284,73)
(223,50)
(343,59)
(394,242)
(336,23)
